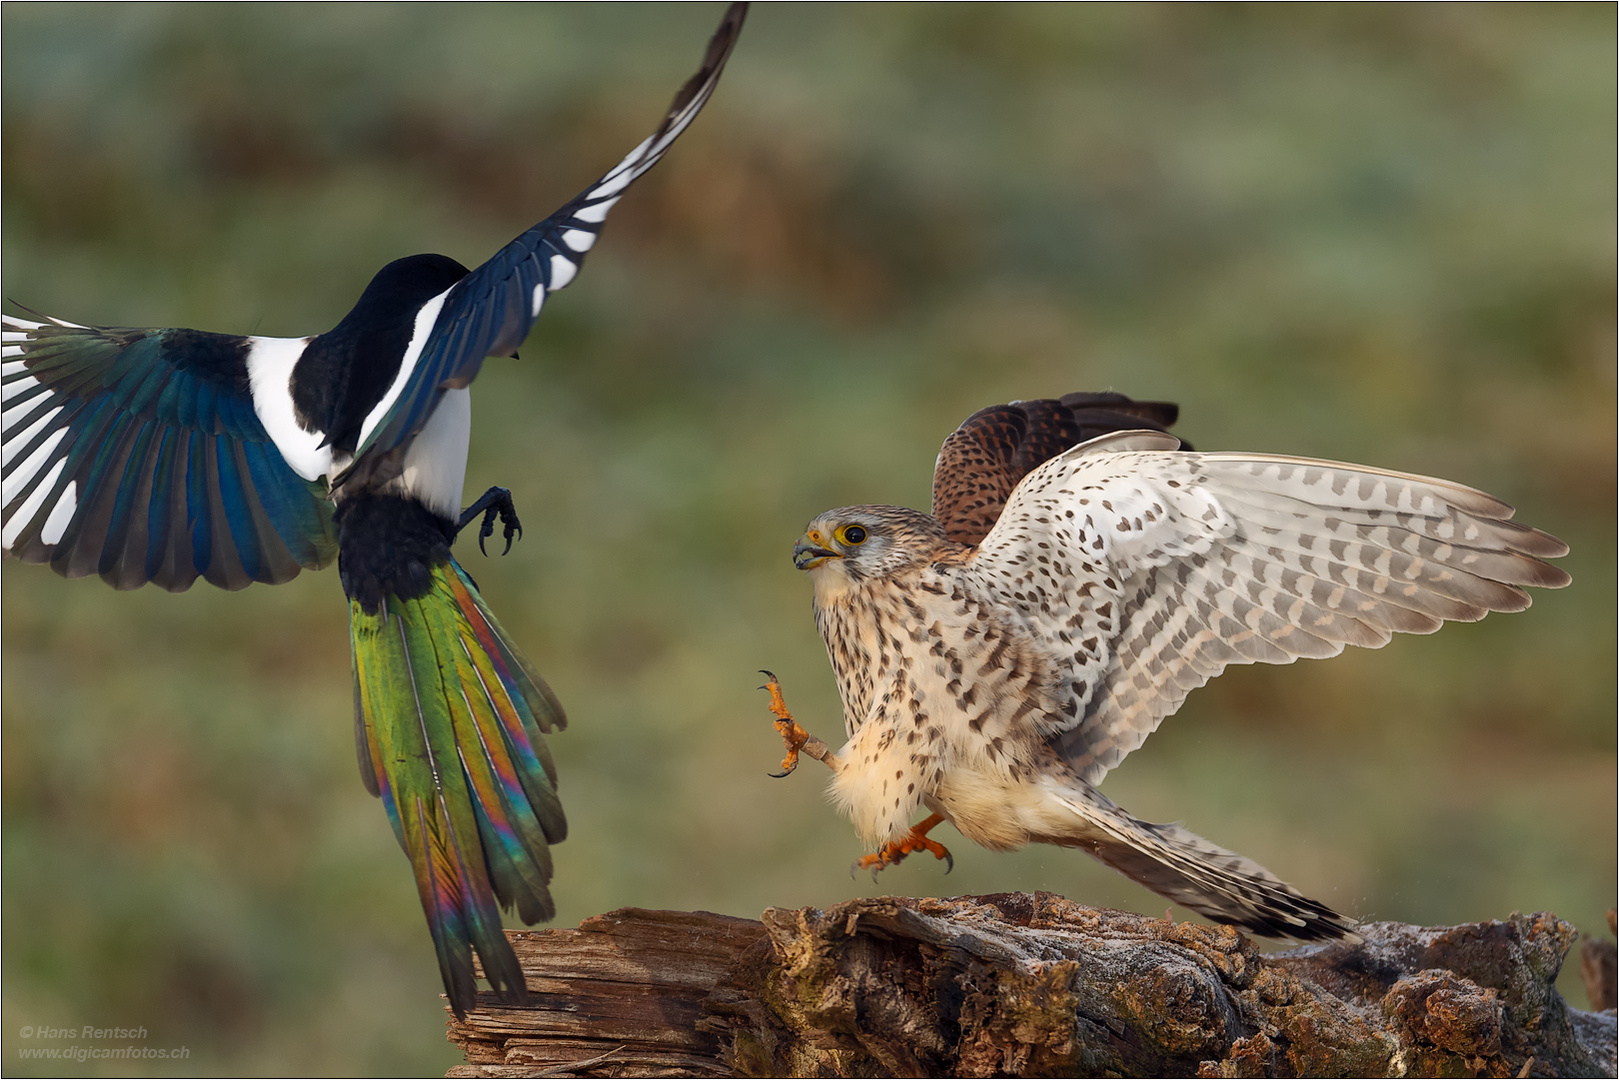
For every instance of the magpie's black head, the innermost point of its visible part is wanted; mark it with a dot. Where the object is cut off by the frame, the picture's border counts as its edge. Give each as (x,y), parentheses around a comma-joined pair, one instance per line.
(404,285)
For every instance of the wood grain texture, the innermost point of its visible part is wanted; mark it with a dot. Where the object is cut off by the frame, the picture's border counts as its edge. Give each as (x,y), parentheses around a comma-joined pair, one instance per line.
(631,982)
(1029,984)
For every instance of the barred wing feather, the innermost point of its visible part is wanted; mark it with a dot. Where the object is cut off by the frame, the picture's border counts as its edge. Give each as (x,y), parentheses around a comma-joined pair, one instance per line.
(1147,570)
(982,461)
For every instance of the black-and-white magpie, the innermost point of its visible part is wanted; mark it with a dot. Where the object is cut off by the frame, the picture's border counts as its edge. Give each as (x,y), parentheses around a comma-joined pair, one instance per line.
(162,455)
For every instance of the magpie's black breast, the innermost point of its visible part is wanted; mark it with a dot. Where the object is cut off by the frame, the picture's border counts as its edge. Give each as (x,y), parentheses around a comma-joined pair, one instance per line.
(388,545)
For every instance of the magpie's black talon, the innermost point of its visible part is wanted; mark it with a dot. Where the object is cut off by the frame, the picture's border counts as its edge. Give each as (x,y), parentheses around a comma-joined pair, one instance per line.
(949,862)
(779,775)
(771,675)
(492,504)
(508,518)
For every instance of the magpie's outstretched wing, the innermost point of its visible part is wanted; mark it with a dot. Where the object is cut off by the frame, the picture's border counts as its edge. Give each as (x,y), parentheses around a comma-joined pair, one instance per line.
(489,312)
(137,455)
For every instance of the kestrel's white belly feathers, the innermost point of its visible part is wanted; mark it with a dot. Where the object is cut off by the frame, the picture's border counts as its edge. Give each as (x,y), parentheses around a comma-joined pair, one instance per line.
(934,687)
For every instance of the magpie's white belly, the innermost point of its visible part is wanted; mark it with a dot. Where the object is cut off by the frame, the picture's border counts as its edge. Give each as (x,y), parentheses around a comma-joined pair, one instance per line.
(436,463)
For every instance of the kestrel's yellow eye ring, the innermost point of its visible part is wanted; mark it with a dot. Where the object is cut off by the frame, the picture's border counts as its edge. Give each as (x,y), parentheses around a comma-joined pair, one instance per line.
(853,535)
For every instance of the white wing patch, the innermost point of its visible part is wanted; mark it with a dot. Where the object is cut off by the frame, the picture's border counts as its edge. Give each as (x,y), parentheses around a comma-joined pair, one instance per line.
(25,513)
(562,272)
(18,477)
(1145,572)
(578,239)
(269,371)
(61,514)
(597,213)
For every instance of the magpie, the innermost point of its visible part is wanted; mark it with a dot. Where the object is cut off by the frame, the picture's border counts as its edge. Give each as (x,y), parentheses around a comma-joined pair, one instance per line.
(164,455)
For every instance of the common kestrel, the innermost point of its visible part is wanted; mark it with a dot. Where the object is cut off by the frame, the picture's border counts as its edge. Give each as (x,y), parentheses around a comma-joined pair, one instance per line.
(1081,572)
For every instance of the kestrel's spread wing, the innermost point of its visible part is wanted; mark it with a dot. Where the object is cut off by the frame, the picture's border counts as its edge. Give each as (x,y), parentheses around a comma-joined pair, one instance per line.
(996,685)
(1196,561)
(983,459)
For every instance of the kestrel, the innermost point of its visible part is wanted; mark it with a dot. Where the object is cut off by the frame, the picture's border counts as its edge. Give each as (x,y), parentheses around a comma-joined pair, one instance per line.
(164,455)
(1075,581)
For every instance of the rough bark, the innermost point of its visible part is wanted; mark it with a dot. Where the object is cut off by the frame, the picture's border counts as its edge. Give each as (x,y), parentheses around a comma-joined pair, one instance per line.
(1029,984)
(1599,967)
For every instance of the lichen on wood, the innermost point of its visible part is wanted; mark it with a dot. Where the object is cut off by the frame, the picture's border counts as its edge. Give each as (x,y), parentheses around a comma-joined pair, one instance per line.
(1030,984)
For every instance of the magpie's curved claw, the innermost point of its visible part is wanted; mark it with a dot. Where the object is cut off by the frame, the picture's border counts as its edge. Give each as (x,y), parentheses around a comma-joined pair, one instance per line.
(492,504)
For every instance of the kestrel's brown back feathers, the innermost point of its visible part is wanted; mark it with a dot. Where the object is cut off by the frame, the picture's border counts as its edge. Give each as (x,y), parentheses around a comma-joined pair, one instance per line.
(983,459)
(997,685)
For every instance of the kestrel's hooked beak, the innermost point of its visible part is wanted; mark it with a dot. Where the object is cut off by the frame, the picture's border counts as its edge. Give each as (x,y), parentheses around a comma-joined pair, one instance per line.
(809,553)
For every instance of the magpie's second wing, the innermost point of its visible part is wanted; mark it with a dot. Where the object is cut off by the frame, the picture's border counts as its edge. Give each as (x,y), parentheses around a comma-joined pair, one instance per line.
(137,455)
(489,312)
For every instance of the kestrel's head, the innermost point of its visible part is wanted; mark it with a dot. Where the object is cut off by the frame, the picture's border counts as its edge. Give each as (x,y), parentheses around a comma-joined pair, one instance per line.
(853,543)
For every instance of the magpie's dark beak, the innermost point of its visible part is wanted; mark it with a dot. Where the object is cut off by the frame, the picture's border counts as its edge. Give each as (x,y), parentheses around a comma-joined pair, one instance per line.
(808,553)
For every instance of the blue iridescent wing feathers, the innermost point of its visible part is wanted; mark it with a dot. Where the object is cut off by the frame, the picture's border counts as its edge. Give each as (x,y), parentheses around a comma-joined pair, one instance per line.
(136,455)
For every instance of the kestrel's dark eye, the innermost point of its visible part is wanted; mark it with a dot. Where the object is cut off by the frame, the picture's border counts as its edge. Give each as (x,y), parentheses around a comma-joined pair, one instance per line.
(852,534)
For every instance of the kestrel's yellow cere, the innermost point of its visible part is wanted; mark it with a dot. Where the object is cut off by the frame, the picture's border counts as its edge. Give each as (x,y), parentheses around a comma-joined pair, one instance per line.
(1081,572)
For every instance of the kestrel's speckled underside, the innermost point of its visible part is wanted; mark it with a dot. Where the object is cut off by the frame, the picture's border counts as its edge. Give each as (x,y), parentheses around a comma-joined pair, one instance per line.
(1077,579)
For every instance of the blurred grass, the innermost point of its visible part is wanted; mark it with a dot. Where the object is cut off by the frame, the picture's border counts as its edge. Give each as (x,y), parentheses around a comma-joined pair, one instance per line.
(1369,233)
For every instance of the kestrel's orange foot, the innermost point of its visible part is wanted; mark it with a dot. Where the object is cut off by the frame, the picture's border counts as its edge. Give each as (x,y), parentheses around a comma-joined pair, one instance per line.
(913,841)
(794,736)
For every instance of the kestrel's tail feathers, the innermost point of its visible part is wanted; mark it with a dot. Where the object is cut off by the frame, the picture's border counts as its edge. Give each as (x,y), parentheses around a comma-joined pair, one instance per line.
(450,720)
(1181,866)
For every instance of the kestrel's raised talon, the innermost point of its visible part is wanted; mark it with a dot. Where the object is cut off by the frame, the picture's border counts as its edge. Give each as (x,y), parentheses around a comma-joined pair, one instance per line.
(794,736)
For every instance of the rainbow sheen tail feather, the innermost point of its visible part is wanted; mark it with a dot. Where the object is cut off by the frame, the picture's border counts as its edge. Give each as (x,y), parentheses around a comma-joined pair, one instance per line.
(450,724)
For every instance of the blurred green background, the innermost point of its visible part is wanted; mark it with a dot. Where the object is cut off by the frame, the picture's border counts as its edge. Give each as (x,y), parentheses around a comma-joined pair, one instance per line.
(1378,234)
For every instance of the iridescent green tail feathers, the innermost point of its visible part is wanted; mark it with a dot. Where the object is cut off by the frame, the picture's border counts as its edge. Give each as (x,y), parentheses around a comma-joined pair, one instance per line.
(449,723)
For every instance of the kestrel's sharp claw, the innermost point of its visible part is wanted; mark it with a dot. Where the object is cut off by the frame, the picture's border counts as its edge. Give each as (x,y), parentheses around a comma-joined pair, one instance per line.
(912,842)
(794,736)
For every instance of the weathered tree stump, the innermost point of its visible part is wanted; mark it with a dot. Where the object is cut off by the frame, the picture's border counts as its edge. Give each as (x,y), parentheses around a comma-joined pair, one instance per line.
(1029,984)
